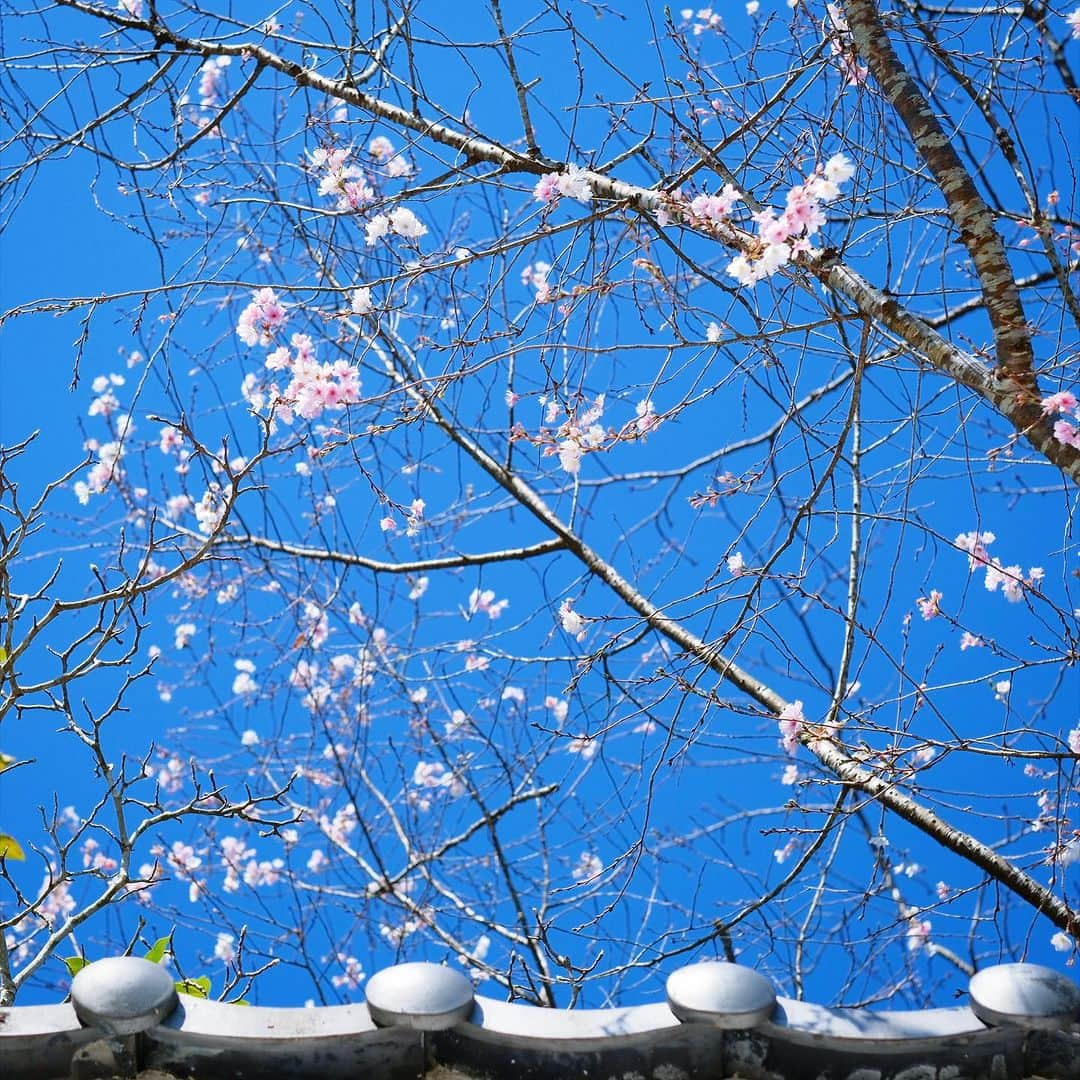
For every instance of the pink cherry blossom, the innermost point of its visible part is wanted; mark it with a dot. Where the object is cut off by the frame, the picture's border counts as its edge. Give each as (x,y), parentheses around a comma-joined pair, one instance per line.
(95,859)
(182,856)
(210,510)
(484,600)
(1009,578)
(381,148)
(790,722)
(536,275)
(405,223)
(376,229)
(1073,20)
(715,208)
(570,456)
(360,301)
(975,544)
(261,319)
(344,182)
(1062,401)
(58,900)
(588,866)
(573,183)
(243,684)
(169,439)
(582,745)
(547,188)
(1067,433)
(224,949)
(838,35)
(560,708)
(918,933)
(212,80)
(647,420)
(929,606)
(351,975)
(571,622)
(171,776)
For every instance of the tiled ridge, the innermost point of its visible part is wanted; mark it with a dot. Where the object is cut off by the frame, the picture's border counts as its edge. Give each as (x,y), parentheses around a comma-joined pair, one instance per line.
(424,1020)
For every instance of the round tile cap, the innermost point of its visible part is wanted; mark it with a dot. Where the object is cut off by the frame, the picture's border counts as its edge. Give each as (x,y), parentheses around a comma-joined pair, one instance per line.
(422,996)
(726,995)
(1027,994)
(123,995)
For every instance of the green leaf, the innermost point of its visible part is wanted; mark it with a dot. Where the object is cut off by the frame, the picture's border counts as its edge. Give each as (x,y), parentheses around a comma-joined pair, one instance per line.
(158,950)
(10,848)
(5,760)
(3,656)
(239,1001)
(198,987)
(75,964)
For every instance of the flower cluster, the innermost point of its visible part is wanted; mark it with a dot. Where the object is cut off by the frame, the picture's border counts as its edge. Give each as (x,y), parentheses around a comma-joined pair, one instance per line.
(432,777)
(352,974)
(313,387)
(211,509)
(344,182)
(918,933)
(579,434)
(1064,402)
(702,21)
(360,301)
(713,209)
(400,221)
(536,275)
(929,606)
(212,81)
(261,319)
(484,600)
(589,866)
(104,471)
(790,721)
(783,236)
(1010,579)
(571,622)
(382,150)
(106,403)
(573,183)
(243,684)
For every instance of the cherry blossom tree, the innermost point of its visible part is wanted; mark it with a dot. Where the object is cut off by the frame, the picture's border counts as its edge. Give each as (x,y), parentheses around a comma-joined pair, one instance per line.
(564,490)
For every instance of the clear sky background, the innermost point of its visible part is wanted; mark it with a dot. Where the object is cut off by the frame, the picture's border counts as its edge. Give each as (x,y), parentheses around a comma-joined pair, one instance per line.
(672,760)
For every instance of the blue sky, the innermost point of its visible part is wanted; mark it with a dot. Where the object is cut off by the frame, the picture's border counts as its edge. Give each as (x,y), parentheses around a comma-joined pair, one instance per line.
(677,794)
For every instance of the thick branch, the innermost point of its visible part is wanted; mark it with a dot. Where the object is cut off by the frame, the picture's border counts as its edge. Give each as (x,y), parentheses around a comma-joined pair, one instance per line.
(971,215)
